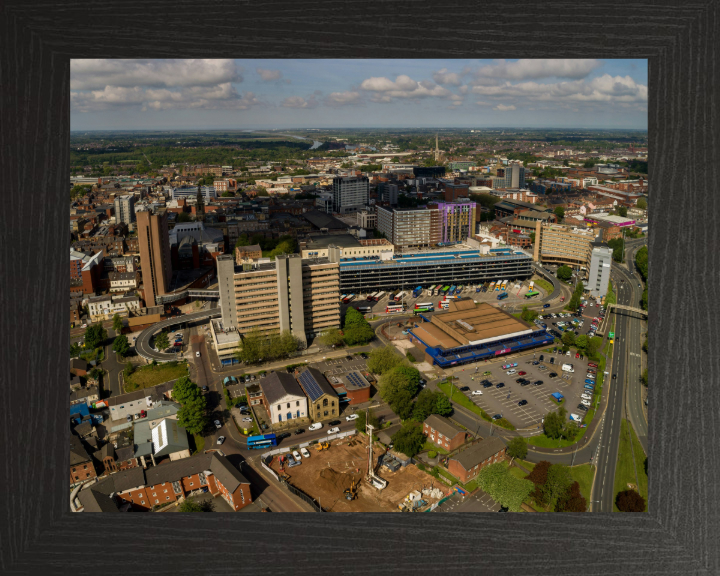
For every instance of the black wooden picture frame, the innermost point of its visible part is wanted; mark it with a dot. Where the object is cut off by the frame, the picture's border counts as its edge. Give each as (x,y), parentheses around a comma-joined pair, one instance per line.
(679,534)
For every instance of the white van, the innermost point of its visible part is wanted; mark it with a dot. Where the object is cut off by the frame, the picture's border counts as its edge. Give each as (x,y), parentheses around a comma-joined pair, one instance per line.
(568,368)
(575,418)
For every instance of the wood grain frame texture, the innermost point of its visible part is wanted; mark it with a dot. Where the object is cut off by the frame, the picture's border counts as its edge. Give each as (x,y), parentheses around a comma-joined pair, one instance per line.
(680,534)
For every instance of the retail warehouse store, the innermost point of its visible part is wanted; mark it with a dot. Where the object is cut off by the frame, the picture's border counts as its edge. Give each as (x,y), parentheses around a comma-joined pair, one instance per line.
(424,269)
(470,332)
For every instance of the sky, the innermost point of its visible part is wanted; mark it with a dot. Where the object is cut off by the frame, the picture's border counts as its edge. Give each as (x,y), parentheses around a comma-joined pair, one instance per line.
(298,94)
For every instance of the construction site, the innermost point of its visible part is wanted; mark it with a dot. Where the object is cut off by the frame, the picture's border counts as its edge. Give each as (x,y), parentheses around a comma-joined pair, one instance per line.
(336,475)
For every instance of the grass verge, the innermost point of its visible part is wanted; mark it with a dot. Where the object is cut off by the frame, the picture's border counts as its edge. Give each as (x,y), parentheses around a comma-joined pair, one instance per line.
(583,474)
(196,443)
(430,446)
(150,375)
(631,458)
(544,284)
(542,441)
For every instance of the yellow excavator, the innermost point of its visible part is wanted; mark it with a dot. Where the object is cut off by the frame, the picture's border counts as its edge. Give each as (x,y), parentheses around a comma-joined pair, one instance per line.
(351,493)
(320,446)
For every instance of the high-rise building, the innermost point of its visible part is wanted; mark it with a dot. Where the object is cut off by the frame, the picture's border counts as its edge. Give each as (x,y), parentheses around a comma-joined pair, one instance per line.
(564,245)
(388,193)
(599,269)
(154,244)
(289,293)
(350,193)
(125,209)
(511,176)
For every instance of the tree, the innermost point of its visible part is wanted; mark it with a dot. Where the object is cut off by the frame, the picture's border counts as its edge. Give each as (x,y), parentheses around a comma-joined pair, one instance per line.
(528,315)
(262,192)
(553,423)
(162,341)
(558,482)
(402,404)
(641,262)
(538,475)
(383,359)
(251,347)
(644,377)
(193,415)
(117,323)
(517,448)
(364,417)
(564,273)
(399,379)
(622,211)
(572,500)
(242,240)
(568,338)
(331,337)
(532,237)
(183,217)
(190,506)
(581,342)
(644,300)
(630,501)
(559,212)
(127,372)
(641,203)
(95,335)
(409,439)
(228,194)
(121,345)
(425,404)
(503,487)
(443,407)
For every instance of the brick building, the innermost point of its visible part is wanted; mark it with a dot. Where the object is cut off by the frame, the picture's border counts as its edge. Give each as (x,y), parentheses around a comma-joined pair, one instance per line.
(443,433)
(466,465)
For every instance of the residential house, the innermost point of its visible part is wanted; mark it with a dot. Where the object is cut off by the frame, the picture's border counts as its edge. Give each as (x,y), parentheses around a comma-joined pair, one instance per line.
(443,433)
(466,465)
(81,465)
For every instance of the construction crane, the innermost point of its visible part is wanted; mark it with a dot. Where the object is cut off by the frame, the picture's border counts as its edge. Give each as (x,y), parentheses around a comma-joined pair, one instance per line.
(371,478)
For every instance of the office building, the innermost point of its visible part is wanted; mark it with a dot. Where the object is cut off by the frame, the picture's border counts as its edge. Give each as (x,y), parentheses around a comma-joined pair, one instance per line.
(208,192)
(388,193)
(512,176)
(350,193)
(599,270)
(125,209)
(456,220)
(558,244)
(367,219)
(286,294)
(154,244)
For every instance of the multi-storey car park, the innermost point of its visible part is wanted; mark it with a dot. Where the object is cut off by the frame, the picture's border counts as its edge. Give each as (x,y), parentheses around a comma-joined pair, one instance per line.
(407,271)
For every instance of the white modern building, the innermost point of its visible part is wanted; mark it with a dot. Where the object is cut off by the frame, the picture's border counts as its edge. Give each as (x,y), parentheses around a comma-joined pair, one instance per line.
(599,272)
(125,209)
(208,192)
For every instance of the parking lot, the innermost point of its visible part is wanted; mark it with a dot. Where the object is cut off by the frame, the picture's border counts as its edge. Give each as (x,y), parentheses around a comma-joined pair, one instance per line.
(515,297)
(586,319)
(504,399)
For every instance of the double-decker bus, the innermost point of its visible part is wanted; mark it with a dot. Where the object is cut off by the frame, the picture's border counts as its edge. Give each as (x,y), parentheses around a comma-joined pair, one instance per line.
(417,292)
(452,290)
(342,298)
(371,297)
(421,310)
(532,294)
(378,296)
(262,441)
(504,285)
(394,308)
(399,296)
(431,290)
(423,305)
(348,298)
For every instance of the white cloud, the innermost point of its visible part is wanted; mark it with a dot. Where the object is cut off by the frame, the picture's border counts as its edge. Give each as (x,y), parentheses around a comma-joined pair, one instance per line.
(96,74)
(463,89)
(269,75)
(541,68)
(386,90)
(503,108)
(446,78)
(343,98)
(300,102)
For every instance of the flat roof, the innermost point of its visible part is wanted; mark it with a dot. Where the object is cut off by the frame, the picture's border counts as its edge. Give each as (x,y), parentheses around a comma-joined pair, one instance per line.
(221,335)
(316,242)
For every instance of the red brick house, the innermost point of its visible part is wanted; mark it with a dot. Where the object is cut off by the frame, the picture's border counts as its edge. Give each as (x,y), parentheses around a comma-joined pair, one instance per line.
(467,464)
(171,481)
(81,464)
(443,433)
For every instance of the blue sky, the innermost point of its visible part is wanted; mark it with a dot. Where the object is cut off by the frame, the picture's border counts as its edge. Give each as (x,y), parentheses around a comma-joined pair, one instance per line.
(265,94)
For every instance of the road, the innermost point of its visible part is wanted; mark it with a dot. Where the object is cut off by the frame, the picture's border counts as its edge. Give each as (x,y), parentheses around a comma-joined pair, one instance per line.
(142,344)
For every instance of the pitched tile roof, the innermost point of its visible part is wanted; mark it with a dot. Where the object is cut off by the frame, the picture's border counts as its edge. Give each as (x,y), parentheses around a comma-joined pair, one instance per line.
(226,473)
(278,385)
(130,478)
(97,497)
(479,452)
(315,384)
(443,425)
(173,471)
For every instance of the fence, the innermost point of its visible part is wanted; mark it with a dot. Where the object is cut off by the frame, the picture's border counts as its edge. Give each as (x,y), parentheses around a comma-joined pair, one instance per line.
(300,494)
(274,474)
(439,502)
(330,438)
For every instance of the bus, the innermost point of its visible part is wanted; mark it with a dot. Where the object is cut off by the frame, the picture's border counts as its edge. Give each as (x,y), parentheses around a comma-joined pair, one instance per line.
(504,284)
(498,285)
(399,296)
(443,304)
(372,296)
(364,309)
(532,294)
(262,441)
(452,290)
(417,292)
(423,305)
(460,289)
(378,296)
(394,308)
(431,290)
(502,296)
(421,310)
(349,298)
(532,285)
(342,298)
(492,287)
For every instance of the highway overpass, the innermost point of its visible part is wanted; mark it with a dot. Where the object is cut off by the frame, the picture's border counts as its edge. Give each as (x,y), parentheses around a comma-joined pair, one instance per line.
(145,349)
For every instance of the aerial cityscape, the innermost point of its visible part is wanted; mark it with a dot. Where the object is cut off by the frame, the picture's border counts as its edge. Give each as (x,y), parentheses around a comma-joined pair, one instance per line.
(358,286)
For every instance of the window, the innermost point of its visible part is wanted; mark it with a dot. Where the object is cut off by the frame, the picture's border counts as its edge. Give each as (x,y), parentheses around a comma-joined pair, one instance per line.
(297,403)
(167,497)
(142,501)
(157,501)
(326,413)
(325,403)
(154,494)
(165,491)
(73,469)
(279,407)
(191,484)
(77,478)
(85,467)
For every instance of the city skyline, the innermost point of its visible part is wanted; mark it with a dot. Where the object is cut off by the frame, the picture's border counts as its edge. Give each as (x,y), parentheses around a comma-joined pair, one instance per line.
(327,94)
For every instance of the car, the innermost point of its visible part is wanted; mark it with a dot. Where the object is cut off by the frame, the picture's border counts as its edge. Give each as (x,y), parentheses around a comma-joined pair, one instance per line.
(296,455)
(221,440)
(577,354)
(639,285)
(500,385)
(299,431)
(542,357)
(487,373)
(582,407)
(333,422)
(363,356)
(614,377)
(521,373)
(348,357)
(305,452)
(205,388)
(129,418)
(522,403)
(84,326)
(546,305)
(567,353)
(535,362)
(552,360)
(591,370)
(538,383)
(252,377)
(291,461)
(197,354)
(581,357)
(514,364)
(217,424)
(586,402)
(283,436)
(553,374)
(506,366)
(510,372)
(586,396)
(333,430)
(248,419)
(589,387)
(553,315)
(554,350)
(464,389)
(590,376)
(487,384)
(351,417)
(520,380)
(477,393)
(497,417)
(315,426)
